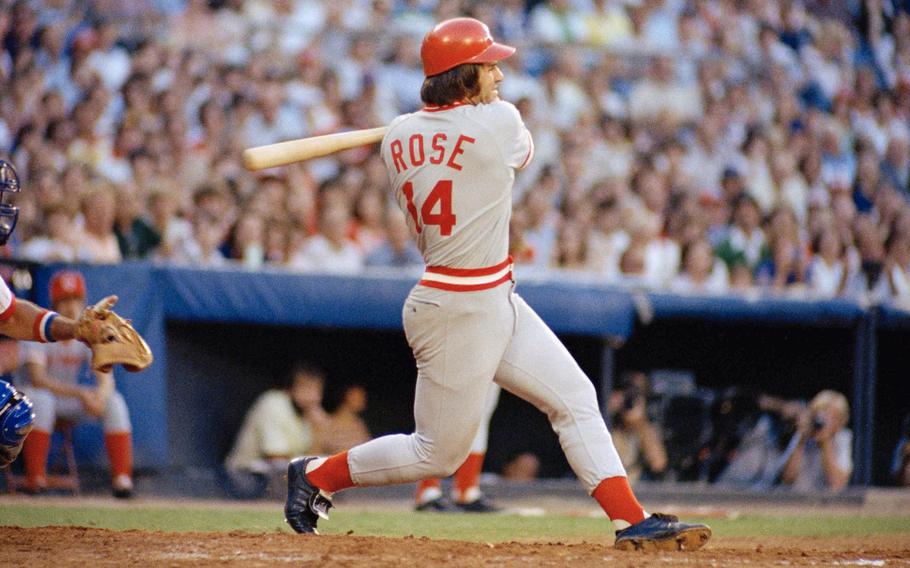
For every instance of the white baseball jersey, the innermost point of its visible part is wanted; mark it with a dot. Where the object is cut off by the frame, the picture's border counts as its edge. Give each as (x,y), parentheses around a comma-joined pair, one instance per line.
(452,169)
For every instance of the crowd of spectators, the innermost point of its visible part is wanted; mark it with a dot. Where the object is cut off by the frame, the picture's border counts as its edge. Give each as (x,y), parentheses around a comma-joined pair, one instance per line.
(700,146)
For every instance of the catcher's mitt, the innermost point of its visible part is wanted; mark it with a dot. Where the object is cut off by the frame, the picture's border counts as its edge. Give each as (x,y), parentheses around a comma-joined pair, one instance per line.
(112,339)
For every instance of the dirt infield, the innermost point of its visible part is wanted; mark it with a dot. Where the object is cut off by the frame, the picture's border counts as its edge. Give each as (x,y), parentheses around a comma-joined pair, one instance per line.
(56,546)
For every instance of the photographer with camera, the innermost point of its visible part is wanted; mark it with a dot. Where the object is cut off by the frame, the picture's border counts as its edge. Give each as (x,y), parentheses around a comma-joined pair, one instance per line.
(819,455)
(900,463)
(638,441)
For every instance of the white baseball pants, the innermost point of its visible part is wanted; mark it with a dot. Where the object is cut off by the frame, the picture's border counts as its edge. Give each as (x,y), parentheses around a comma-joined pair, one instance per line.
(463,341)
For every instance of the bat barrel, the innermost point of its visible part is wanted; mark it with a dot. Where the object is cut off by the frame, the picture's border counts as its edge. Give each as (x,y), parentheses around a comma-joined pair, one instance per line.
(283,153)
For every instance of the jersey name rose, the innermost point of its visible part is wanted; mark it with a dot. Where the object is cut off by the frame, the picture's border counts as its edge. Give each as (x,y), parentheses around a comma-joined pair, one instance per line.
(435,149)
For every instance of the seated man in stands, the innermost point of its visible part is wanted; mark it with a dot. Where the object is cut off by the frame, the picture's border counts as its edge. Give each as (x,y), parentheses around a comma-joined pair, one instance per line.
(819,456)
(346,427)
(56,377)
(280,424)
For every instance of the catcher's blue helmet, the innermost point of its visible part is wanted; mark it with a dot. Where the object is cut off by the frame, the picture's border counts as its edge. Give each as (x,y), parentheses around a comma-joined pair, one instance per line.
(9,214)
(16,416)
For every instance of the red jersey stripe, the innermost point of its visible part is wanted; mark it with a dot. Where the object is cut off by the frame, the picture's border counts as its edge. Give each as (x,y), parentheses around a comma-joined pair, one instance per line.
(443,107)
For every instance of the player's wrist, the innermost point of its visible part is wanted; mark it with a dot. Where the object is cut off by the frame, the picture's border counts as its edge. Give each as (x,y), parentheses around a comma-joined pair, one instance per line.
(43,329)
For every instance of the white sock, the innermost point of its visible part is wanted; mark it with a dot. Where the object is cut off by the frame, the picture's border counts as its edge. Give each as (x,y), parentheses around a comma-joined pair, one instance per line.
(429,494)
(620,524)
(470,495)
(315,463)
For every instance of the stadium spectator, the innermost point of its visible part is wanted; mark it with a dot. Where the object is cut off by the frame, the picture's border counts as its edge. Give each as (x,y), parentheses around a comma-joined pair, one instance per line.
(607,240)
(175,231)
(746,240)
(785,266)
(827,272)
(281,423)
(702,272)
(247,243)
(632,263)
(572,247)
(541,220)
(331,250)
(898,267)
(369,231)
(819,456)
(97,242)
(896,163)
(56,377)
(900,463)
(135,237)
(637,439)
(399,249)
(557,21)
(57,245)
(661,96)
(202,249)
(345,427)
(523,467)
(782,103)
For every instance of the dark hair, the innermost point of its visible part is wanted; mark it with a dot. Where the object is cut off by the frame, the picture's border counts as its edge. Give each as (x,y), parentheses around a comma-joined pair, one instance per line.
(456,84)
(307,369)
(743,198)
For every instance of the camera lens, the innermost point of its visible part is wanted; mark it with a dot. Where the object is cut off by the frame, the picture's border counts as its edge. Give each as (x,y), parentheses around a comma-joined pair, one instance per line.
(817,424)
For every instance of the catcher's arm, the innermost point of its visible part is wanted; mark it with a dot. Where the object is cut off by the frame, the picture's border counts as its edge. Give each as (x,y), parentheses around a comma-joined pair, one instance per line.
(26,323)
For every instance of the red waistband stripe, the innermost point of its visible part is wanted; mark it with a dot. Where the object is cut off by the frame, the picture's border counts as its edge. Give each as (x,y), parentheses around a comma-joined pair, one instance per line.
(486,271)
(467,279)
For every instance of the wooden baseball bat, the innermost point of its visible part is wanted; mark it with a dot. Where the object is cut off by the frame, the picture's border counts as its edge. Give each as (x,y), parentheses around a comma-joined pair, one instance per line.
(283,153)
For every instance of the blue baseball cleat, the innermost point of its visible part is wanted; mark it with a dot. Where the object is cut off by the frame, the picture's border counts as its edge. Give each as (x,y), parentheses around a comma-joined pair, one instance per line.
(306,504)
(662,532)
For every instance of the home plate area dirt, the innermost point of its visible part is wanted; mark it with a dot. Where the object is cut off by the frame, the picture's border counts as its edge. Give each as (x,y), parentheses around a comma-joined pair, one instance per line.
(59,546)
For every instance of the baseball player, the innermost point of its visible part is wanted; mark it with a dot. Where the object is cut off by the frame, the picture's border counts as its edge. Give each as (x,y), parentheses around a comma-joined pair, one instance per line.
(466,494)
(52,374)
(23,320)
(452,166)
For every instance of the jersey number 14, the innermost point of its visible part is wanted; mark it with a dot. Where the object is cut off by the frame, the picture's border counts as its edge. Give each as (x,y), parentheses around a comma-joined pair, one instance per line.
(442,217)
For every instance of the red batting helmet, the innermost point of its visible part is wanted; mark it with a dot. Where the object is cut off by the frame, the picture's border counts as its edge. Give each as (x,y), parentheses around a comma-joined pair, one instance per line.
(67,284)
(460,40)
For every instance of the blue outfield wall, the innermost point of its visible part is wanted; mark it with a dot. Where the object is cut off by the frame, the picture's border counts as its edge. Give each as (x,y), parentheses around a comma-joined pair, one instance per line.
(152,294)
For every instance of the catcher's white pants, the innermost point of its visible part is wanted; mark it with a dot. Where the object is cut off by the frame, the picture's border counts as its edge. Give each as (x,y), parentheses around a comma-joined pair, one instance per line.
(48,407)
(463,341)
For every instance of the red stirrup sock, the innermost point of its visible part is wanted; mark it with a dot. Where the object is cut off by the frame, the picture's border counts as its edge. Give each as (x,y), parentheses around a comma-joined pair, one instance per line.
(333,474)
(35,450)
(467,479)
(120,453)
(428,485)
(614,494)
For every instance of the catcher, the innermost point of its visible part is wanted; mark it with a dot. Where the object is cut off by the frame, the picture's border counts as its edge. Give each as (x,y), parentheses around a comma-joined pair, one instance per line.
(111,338)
